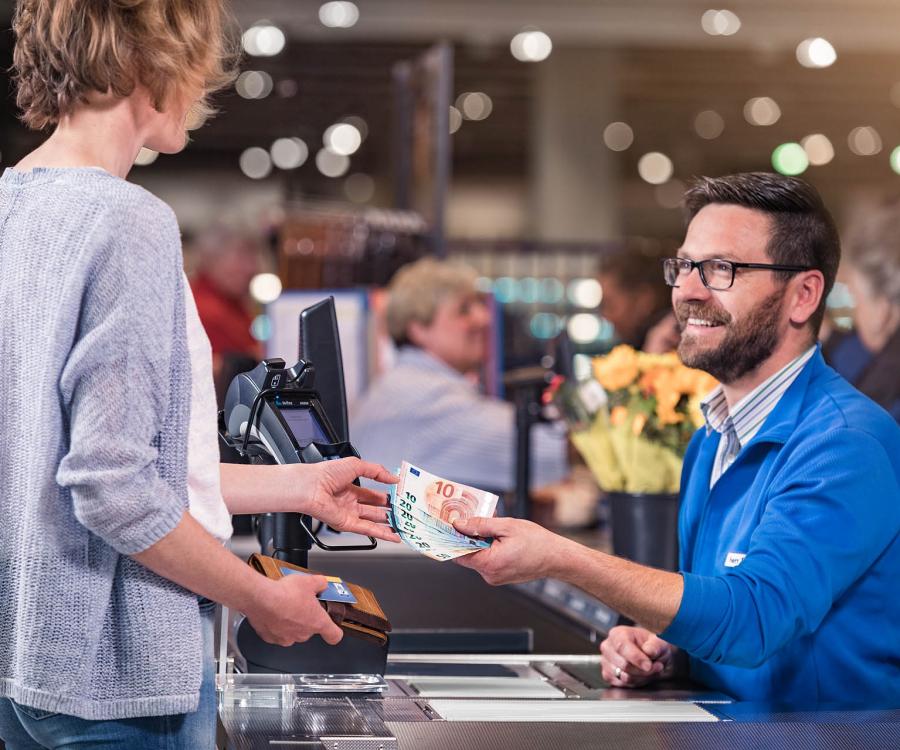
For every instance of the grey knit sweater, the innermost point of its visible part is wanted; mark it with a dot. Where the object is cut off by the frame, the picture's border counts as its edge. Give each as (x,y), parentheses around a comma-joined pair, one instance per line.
(94,409)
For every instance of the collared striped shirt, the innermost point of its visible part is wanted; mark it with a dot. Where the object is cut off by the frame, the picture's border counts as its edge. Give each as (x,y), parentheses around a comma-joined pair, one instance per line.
(738,426)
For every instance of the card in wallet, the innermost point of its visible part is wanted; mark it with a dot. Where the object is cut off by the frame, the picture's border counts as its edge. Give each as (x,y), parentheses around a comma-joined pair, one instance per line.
(362,618)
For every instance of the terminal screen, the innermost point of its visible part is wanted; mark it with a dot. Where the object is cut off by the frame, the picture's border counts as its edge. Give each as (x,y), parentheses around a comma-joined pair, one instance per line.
(304,426)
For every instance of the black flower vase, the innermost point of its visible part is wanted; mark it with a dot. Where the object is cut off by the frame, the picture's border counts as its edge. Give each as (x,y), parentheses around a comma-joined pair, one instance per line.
(645,528)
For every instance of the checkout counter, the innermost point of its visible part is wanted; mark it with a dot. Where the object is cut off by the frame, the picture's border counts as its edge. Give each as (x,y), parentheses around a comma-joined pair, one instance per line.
(473,666)
(469,665)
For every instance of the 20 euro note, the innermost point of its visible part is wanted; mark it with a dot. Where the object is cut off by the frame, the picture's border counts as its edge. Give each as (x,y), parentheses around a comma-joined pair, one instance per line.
(424,506)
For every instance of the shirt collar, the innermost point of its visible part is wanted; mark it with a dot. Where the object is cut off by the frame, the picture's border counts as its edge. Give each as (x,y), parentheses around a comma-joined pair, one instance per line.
(750,412)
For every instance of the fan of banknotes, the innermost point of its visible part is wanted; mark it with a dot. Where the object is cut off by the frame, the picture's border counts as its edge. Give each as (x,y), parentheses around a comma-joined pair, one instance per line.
(424,506)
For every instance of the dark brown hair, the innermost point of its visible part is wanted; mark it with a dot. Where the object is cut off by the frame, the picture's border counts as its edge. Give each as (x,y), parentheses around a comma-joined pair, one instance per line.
(67,49)
(803,231)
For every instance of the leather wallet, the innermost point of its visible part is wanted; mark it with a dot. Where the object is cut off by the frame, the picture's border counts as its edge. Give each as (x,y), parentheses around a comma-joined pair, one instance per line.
(365,619)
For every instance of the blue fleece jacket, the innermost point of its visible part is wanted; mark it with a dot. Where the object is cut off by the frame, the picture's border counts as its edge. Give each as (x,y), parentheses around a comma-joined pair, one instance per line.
(791,562)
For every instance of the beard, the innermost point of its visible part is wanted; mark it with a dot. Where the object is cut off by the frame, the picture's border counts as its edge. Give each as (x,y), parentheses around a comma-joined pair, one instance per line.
(747,343)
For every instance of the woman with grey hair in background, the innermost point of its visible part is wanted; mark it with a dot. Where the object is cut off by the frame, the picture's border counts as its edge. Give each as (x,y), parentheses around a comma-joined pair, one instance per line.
(873,275)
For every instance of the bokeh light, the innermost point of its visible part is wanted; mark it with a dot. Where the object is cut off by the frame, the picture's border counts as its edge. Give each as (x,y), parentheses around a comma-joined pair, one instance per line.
(289,153)
(762,111)
(790,159)
(864,141)
(586,293)
(265,288)
(531,46)
(816,53)
(618,136)
(331,164)
(456,119)
(338,14)
(263,40)
(545,325)
(475,105)
(254,84)
(720,22)
(255,163)
(818,149)
(655,168)
(709,124)
(342,138)
(895,160)
(584,328)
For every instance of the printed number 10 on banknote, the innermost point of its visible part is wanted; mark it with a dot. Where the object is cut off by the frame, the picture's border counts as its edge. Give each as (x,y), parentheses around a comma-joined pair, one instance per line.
(448,501)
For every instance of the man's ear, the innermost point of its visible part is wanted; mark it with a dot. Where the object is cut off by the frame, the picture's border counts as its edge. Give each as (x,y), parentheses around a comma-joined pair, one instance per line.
(808,288)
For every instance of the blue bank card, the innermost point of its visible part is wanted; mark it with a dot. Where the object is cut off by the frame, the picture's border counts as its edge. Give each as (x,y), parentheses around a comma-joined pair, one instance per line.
(336,590)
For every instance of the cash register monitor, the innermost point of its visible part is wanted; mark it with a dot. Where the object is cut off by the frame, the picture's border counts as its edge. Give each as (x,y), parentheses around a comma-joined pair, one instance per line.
(320,343)
(303,423)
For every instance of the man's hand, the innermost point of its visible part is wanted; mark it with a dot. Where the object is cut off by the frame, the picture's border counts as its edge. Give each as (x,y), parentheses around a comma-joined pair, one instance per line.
(633,657)
(287,611)
(331,496)
(521,551)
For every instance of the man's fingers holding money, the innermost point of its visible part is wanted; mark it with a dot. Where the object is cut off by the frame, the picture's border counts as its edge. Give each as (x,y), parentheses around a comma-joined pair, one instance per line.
(483,527)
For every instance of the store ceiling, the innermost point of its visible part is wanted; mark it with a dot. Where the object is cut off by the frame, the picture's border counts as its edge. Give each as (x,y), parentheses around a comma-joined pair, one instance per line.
(668,71)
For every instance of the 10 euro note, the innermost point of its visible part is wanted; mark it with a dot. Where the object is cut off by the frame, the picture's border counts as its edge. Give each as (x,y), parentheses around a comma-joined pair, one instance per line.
(424,507)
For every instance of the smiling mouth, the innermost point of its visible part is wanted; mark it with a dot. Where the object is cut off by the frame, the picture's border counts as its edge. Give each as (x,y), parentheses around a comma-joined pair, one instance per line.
(702,323)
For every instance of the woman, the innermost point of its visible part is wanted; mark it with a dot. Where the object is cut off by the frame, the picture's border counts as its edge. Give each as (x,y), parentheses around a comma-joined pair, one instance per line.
(113,517)
(870,356)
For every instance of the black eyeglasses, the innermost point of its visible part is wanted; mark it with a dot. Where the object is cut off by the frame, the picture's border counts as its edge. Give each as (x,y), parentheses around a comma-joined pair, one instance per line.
(715,274)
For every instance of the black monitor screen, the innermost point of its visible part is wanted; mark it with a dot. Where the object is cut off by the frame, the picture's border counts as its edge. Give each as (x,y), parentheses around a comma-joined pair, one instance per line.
(304,425)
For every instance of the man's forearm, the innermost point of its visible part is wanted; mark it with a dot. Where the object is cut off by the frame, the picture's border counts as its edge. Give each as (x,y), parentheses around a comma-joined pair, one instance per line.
(648,596)
(261,489)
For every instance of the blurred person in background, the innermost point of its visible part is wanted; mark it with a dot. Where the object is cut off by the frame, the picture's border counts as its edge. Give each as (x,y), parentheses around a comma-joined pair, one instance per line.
(223,262)
(635,301)
(115,509)
(427,409)
(869,356)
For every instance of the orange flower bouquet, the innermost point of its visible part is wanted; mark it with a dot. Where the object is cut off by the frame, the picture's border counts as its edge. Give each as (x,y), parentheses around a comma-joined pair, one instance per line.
(645,408)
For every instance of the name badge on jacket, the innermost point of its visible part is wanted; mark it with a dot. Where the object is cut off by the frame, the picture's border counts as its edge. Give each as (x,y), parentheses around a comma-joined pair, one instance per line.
(733,559)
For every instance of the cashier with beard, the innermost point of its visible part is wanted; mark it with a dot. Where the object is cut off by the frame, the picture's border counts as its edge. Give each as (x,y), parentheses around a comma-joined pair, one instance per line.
(427,409)
(789,529)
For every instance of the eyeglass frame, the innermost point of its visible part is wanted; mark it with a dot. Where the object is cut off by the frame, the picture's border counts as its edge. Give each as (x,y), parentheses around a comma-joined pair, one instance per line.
(735,265)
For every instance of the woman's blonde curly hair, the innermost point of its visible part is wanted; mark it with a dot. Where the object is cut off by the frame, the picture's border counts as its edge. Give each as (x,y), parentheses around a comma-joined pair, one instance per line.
(68,49)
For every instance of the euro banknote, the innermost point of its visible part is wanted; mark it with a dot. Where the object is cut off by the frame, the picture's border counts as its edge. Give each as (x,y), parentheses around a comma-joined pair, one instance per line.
(423,507)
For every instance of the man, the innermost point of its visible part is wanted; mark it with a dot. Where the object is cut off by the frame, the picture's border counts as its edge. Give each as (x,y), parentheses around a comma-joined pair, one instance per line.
(426,409)
(790,514)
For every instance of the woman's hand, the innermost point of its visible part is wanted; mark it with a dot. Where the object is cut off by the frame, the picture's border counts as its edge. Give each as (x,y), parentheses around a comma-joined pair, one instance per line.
(330,496)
